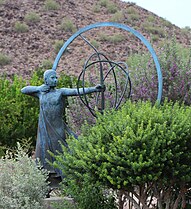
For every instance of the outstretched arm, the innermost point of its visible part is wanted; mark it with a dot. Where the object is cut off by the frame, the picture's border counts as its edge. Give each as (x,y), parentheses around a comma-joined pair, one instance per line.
(35,90)
(74,92)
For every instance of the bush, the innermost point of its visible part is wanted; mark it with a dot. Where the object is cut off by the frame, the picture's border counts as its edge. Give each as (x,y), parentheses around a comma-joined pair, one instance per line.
(112,8)
(112,39)
(155,30)
(32,17)
(21,27)
(132,10)
(18,112)
(104,3)
(88,194)
(109,5)
(4,59)
(67,25)
(58,45)
(46,64)
(2,2)
(175,65)
(138,148)
(23,184)
(96,8)
(118,17)
(51,5)
(133,17)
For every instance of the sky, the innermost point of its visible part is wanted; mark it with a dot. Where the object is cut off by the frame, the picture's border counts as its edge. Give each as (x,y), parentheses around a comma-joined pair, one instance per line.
(178,12)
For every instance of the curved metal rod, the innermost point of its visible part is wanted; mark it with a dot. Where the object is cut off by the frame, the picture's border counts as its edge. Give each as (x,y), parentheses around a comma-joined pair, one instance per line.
(86,103)
(128,79)
(115,81)
(83,74)
(101,71)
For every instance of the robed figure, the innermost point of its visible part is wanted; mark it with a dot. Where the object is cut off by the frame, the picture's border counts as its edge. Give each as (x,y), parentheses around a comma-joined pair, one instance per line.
(51,127)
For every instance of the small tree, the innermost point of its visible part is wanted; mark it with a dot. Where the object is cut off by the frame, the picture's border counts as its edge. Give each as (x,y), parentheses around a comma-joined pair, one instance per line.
(142,152)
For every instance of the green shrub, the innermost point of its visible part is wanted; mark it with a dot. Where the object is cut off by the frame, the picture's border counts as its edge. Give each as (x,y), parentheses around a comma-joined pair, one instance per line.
(21,27)
(4,59)
(113,39)
(103,3)
(133,17)
(109,5)
(46,64)
(112,8)
(151,18)
(32,17)
(138,148)
(94,43)
(51,5)
(155,38)
(131,10)
(23,184)
(154,29)
(96,7)
(18,112)
(175,65)
(2,2)
(88,194)
(58,45)
(166,23)
(117,17)
(67,25)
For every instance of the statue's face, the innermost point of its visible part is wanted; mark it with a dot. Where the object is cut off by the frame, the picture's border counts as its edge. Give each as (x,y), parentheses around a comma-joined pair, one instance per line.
(52,80)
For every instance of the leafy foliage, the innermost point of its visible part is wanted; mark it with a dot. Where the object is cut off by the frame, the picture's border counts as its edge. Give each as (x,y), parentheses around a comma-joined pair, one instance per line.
(23,184)
(32,17)
(176,71)
(68,25)
(51,5)
(21,27)
(18,112)
(57,45)
(139,148)
(4,59)
(88,194)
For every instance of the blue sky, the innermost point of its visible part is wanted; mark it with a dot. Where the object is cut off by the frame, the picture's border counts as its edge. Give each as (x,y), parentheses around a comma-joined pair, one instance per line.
(177,12)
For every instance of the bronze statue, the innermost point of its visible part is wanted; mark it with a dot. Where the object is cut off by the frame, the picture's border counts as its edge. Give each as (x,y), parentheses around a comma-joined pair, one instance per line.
(51,127)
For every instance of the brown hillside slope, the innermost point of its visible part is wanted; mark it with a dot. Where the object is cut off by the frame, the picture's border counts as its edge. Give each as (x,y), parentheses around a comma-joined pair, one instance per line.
(32,48)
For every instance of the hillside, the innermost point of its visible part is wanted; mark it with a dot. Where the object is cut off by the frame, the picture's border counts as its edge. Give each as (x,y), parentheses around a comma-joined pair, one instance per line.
(31,31)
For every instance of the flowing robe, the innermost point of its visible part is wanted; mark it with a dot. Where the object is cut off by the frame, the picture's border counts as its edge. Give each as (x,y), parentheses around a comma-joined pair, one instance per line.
(51,128)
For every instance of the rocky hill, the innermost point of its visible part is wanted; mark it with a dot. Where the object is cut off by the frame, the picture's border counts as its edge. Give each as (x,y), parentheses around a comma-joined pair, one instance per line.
(32,31)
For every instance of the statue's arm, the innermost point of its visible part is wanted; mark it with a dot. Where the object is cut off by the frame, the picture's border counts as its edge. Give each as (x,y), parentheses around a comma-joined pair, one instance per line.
(74,91)
(35,90)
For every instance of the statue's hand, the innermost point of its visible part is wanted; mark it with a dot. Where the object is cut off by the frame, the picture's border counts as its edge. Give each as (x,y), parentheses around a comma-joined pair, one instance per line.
(44,88)
(100,87)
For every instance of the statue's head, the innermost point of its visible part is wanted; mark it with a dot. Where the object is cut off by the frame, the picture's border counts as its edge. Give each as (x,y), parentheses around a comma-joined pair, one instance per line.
(50,78)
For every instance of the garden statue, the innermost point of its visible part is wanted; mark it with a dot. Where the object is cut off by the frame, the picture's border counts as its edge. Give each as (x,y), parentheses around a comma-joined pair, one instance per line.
(51,128)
